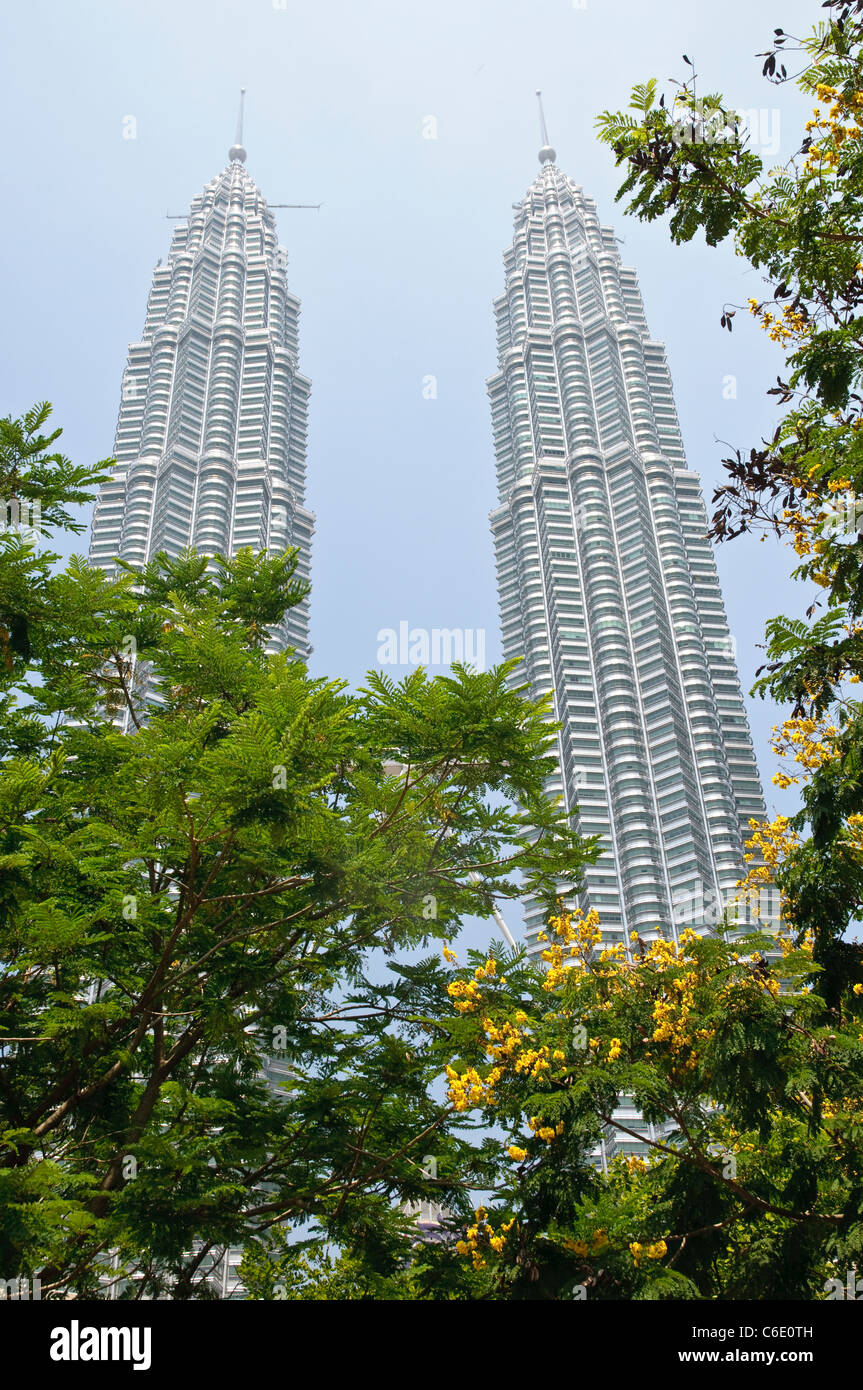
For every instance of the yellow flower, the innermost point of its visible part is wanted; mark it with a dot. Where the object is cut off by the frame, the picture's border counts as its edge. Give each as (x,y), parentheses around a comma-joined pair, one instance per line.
(518,1154)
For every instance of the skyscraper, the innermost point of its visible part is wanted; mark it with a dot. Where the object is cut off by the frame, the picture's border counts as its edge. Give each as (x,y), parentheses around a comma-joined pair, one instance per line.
(211,438)
(211,435)
(608,590)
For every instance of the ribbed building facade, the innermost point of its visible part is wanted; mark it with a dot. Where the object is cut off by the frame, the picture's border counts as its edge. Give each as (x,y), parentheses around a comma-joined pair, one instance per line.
(211,446)
(609,595)
(211,437)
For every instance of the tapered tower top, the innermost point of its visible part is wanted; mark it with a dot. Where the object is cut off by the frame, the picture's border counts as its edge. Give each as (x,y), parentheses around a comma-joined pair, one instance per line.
(237,150)
(546,155)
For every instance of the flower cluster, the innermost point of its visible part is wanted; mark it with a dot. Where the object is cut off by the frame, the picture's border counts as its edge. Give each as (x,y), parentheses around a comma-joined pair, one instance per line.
(467,994)
(648,1252)
(480,1237)
(792,323)
(666,974)
(771,842)
(832,132)
(577,937)
(500,1043)
(853,838)
(810,743)
(805,942)
(509,1046)
(598,1242)
(544,1131)
(533,1061)
(469,1088)
(673,1010)
(804,528)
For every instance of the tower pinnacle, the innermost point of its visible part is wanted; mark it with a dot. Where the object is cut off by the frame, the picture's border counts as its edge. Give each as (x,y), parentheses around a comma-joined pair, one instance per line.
(546,155)
(237,150)
(190,469)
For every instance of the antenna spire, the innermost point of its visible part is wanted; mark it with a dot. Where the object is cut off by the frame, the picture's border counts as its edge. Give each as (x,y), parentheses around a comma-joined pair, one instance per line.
(237,150)
(546,155)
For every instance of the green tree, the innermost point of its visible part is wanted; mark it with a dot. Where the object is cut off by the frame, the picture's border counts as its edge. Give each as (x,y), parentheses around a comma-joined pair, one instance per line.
(746,1100)
(178,905)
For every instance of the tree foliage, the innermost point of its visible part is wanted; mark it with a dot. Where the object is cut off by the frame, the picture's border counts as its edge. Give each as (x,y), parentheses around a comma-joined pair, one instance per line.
(181,904)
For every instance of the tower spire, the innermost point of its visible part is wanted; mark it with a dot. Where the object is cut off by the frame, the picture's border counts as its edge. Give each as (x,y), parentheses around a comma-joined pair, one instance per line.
(546,155)
(237,150)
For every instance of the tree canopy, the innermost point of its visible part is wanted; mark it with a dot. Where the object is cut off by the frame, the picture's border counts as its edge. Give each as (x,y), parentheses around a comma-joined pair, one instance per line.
(184,903)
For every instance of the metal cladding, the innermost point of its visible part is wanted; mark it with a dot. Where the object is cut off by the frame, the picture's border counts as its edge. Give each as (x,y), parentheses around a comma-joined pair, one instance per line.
(609,596)
(211,435)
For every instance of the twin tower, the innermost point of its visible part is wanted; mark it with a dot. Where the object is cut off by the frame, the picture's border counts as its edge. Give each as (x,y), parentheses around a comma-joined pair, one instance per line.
(609,596)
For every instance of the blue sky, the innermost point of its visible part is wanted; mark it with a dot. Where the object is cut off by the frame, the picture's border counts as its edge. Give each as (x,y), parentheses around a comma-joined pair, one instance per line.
(398,270)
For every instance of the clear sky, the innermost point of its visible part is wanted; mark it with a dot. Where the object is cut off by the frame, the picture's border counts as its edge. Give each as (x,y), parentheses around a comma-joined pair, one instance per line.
(398,269)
